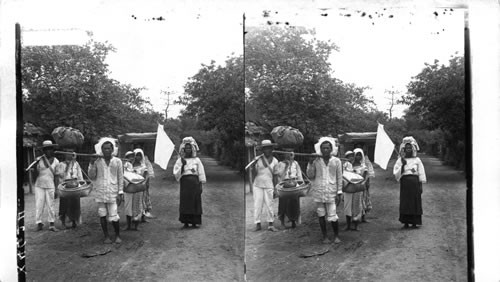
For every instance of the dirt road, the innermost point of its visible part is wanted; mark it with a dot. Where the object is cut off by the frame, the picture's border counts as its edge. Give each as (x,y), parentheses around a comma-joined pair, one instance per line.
(381,251)
(160,250)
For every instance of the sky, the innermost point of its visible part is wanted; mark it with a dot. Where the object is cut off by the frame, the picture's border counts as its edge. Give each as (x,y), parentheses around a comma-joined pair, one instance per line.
(382,53)
(155,54)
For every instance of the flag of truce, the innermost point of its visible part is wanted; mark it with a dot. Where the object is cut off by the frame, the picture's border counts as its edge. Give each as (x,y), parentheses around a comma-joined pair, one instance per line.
(383,147)
(164,148)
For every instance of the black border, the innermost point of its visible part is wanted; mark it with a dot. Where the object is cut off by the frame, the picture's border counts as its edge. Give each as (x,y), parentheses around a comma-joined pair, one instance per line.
(468,149)
(21,253)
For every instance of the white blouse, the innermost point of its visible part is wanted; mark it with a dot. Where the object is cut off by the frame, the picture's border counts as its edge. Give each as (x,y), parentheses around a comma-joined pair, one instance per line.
(413,166)
(293,171)
(193,167)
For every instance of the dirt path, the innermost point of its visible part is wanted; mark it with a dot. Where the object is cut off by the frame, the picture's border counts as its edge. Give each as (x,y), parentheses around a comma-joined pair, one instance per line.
(382,251)
(160,250)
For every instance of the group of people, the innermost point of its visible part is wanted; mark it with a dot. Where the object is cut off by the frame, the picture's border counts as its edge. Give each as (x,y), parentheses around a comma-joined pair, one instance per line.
(328,185)
(107,174)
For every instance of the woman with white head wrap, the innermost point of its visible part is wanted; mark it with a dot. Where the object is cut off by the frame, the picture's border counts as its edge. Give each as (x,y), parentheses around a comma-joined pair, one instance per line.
(367,203)
(134,202)
(410,173)
(189,171)
(353,202)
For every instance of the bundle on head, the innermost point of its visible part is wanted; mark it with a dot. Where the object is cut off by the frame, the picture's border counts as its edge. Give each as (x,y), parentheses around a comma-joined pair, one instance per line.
(287,136)
(67,136)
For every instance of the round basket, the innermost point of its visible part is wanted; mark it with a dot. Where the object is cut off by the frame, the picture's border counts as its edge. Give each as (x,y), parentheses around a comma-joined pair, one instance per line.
(301,190)
(134,188)
(83,190)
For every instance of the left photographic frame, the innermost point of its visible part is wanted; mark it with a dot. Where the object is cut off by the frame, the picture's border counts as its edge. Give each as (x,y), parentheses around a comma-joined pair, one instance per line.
(153,78)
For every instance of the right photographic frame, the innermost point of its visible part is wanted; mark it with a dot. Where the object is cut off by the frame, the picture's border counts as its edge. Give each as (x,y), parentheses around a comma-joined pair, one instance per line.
(357,136)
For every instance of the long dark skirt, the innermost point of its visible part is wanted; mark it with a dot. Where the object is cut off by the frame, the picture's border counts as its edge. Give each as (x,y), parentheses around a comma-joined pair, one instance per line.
(289,206)
(190,210)
(410,200)
(70,207)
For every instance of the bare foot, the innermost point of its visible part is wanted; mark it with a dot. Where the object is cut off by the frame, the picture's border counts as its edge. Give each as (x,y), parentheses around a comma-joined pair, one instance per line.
(107,240)
(118,240)
(326,241)
(336,240)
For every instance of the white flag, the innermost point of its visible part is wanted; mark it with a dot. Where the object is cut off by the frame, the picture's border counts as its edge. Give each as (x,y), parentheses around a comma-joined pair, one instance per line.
(164,148)
(383,147)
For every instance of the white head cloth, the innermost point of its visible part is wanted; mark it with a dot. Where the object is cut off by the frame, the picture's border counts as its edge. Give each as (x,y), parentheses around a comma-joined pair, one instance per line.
(98,146)
(188,140)
(140,151)
(331,140)
(409,140)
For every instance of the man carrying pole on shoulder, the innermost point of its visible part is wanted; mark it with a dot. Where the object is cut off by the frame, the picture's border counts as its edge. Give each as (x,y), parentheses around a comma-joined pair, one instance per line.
(325,173)
(107,175)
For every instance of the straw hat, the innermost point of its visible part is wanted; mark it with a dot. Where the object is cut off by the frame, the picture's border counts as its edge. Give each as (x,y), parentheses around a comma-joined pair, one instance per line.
(48,144)
(267,143)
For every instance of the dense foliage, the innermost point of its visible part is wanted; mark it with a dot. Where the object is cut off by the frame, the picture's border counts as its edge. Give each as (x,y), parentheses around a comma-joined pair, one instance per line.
(436,97)
(214,100)
(69,86)
(289,81)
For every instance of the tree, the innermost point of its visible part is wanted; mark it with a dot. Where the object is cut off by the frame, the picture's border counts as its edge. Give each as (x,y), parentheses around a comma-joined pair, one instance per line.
(69,86)
(214,99)
(167,97)
(393,100)
(437,101)
(289,81)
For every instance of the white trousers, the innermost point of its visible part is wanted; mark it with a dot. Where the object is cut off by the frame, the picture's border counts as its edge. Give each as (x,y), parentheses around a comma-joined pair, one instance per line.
(110,210)
(44,197)
(327,209)
(263,204)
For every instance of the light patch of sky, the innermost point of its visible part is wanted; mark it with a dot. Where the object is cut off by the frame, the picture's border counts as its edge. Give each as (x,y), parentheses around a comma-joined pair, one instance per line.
(162,55)
(155,54)
(381,53)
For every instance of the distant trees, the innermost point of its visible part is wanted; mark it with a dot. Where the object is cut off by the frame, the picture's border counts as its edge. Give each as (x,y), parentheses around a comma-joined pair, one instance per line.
(436,97)
(289,81)
(214,99)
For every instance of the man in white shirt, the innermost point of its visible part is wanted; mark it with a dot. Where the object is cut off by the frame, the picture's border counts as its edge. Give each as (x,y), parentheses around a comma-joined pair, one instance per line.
(45,186)
(263,186)
(107,174)
(325,173)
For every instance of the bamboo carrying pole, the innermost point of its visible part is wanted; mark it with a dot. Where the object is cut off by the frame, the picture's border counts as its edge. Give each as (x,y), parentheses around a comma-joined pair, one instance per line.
(312,155)
(78,154)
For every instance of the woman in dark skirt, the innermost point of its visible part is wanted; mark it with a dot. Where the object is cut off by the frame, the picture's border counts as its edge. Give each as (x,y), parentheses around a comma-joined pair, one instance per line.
(410,173)
(189,171)
(288,169)
(69,207)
